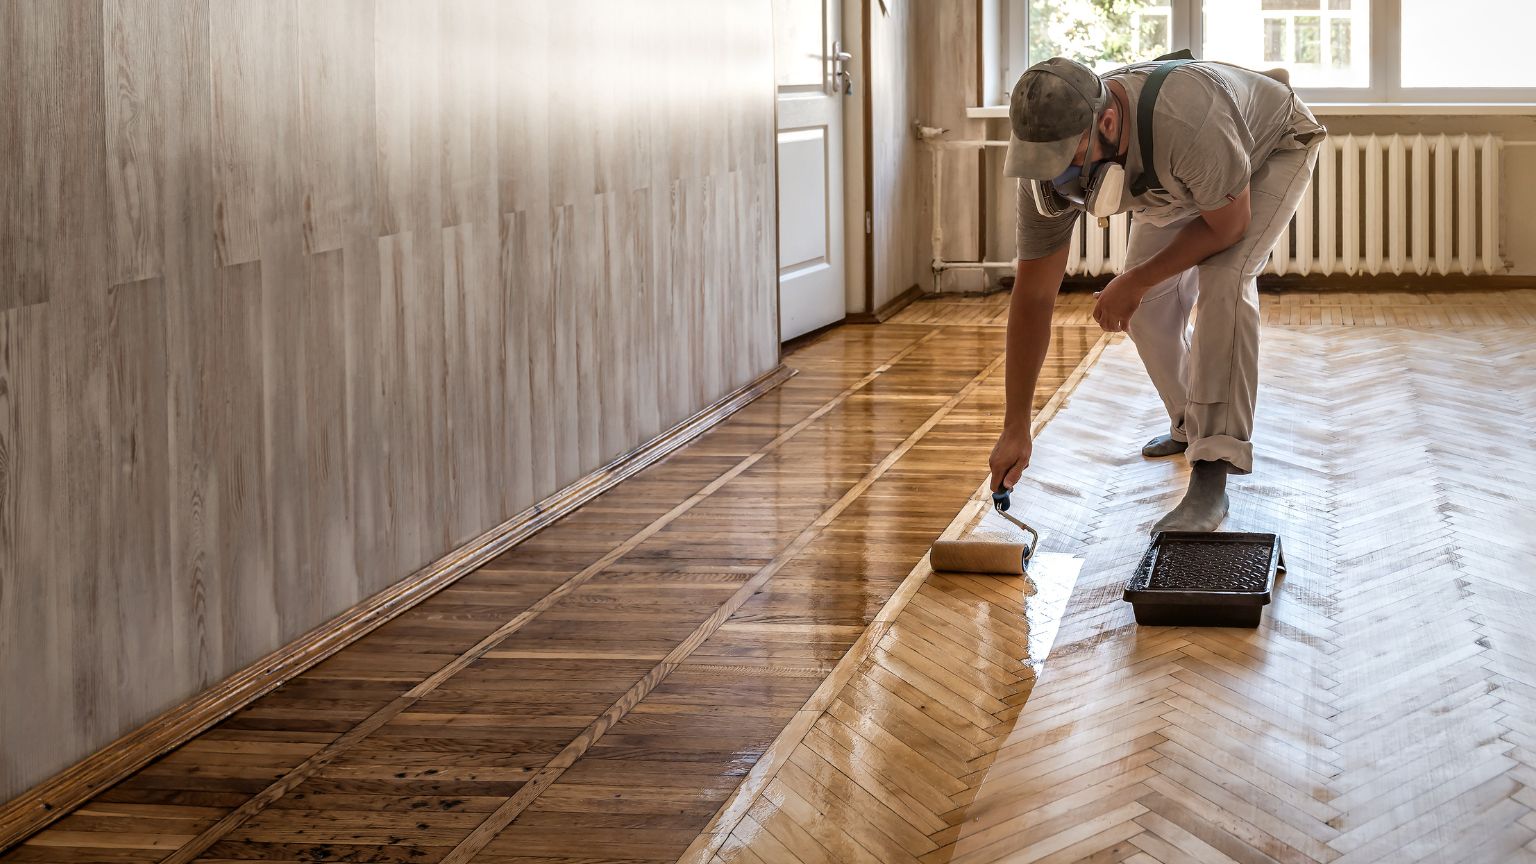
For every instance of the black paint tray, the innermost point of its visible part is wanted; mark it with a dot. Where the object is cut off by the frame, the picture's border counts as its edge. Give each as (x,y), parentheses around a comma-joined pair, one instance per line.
(1205,579)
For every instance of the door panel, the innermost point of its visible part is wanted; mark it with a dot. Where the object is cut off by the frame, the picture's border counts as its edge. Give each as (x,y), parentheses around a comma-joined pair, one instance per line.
(803,198)
(810,152)
(799,43)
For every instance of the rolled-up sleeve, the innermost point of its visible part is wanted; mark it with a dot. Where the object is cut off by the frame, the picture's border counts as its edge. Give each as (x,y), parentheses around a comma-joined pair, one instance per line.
(1039,235)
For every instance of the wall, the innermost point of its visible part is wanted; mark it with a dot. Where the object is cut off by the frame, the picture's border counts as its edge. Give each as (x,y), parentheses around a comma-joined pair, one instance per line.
(923,55)
(295,297)
(899,169)
(949,53)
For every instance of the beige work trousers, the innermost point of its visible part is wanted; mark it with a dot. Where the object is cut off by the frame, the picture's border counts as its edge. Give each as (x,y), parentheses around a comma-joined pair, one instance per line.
(1208,374)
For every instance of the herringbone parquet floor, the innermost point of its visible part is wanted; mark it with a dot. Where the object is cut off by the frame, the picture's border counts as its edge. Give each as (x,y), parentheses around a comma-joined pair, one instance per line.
(1382,712)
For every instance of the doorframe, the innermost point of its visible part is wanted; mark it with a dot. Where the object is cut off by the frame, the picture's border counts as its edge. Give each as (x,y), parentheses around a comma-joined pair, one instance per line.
(773,154)
(858,180)
(865,154)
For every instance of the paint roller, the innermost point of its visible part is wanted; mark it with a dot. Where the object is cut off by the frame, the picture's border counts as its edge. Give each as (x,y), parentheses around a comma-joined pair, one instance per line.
(1003,557)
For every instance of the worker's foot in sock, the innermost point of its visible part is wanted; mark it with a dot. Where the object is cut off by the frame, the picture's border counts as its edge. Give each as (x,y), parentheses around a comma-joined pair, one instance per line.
(1163,445)
(1204,504)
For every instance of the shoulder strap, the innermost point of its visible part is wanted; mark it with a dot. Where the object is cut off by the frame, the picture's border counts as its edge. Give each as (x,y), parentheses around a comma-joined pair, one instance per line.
(1144,106)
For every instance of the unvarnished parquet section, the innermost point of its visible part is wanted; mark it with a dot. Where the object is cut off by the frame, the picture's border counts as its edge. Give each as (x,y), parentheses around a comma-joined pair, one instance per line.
(1379,714)
(296,297)
(1378,308)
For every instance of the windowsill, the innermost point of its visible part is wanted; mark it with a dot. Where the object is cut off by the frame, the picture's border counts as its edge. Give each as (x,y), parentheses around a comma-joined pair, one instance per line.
(989,112)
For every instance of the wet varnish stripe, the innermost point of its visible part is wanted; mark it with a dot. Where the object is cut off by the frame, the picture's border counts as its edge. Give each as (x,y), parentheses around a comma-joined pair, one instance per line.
(329,802)
(310,767)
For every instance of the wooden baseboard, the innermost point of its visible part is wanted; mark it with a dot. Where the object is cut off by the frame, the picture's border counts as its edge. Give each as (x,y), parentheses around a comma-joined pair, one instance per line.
(1405,282)
(53,798)
(884,313)
(1345,282)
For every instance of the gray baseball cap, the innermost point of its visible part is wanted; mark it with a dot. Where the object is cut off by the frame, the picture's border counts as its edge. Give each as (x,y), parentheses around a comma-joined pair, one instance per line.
(1054,103)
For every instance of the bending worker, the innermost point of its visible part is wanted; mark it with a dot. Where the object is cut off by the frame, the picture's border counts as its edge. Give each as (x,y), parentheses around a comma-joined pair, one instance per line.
(1211,160)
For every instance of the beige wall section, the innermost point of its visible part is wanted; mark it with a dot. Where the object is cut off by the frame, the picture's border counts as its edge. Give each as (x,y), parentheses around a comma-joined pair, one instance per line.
(948,55)
(900,214)
(923,55)
(295,297)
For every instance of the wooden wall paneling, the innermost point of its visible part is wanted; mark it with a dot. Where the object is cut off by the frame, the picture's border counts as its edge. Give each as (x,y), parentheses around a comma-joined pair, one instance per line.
(329,561)
(475,331)
(342,212)
(614,87)
(407,64)
(316,292)
(666,201)
(572,186)
(68,41)
(526,382)
(303,345)
(156,80)
(242,513)
(523,175)
(237,133)
(135,488)
(23,130)
(34,610)
(399,360)
(717,108)
(240,509)
(239,609)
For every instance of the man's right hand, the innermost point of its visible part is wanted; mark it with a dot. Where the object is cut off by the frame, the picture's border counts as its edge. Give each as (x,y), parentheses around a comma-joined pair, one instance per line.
(1010,457)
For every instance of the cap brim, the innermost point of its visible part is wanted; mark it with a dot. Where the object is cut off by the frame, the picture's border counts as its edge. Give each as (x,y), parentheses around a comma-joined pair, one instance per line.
(1039,160)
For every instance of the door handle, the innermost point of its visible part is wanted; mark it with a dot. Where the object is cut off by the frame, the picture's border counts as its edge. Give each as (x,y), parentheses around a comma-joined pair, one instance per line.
(842,76)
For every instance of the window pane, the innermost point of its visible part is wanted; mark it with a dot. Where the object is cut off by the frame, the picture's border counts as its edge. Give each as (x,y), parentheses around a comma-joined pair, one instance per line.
(1338,46)
(1274,40)
(1102,34)
(1474,43)
(1322,47)
(1307,50)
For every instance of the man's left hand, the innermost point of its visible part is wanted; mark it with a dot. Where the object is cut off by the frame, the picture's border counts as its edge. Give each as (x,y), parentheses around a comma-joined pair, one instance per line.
(1118,302)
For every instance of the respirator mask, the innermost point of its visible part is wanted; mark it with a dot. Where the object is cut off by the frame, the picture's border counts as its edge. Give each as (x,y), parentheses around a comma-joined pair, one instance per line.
(1099,188)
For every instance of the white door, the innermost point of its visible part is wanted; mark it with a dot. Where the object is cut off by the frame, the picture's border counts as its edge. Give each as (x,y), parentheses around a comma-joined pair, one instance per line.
(807,39)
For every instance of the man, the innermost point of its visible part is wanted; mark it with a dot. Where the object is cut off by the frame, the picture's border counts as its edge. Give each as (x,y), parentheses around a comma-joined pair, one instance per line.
(1231,152)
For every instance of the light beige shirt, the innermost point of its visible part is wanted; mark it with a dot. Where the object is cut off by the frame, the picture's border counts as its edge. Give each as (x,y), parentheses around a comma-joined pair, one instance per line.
(1213,126)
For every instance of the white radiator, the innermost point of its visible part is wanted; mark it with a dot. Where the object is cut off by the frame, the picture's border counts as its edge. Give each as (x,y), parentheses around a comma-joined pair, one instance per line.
(1425,204)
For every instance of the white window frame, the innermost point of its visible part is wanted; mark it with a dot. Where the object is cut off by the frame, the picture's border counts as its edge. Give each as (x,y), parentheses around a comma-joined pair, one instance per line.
(1385,49)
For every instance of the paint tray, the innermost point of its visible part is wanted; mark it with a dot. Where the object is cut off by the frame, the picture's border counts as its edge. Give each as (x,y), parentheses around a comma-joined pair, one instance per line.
(1205,579)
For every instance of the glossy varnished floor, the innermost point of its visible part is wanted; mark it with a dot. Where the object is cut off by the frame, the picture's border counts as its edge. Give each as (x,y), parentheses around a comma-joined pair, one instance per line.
(1381,713)
(598,692)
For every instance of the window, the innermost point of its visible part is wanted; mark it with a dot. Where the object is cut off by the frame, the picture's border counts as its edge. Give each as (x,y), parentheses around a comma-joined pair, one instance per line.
(1335,50)
(1475,43)
(1102,34)
(1264,34)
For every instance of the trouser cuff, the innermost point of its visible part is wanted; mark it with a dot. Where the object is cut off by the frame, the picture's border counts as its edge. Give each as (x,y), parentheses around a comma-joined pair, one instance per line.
(1218,448)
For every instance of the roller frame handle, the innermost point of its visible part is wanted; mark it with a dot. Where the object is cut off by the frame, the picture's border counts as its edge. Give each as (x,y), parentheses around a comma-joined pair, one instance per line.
(1001,502)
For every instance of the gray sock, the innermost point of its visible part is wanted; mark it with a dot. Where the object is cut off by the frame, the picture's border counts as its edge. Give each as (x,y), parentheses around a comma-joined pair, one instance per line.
(1204,504)
(1163,445)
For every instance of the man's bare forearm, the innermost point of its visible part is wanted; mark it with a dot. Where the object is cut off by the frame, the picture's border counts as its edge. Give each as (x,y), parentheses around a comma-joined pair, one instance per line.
(1036,283)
